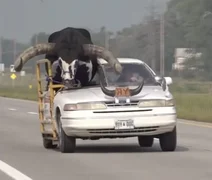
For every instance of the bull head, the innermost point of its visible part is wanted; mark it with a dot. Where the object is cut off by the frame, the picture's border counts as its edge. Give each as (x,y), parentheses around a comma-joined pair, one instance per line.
(68,72)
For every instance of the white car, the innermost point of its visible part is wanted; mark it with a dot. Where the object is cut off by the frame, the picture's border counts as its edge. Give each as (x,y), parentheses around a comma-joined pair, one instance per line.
(88,113)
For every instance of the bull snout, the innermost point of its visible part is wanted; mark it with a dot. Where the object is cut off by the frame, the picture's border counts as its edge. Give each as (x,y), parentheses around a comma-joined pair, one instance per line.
(69,83)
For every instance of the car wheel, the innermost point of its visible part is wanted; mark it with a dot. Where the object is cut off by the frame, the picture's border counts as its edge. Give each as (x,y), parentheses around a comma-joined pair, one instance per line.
(145,141)
(168,141)
(47,143)
(66,144)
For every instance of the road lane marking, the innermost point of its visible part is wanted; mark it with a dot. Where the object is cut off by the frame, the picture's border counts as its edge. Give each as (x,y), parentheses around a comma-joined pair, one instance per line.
(198,124)
(12,172)
(12,109)
(19,100)
(34,113)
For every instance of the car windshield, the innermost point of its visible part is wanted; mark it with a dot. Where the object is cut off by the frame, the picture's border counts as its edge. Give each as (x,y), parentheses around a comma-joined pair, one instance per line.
(131,76)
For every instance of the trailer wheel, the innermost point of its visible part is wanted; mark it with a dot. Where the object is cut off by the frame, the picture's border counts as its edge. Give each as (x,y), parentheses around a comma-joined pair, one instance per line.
(48,144)
(66,144)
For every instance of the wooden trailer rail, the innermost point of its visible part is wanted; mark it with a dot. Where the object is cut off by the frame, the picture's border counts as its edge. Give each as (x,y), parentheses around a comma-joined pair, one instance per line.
(53,133)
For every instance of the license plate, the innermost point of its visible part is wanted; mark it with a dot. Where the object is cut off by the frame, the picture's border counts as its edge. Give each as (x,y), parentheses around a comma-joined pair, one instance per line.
(124,124)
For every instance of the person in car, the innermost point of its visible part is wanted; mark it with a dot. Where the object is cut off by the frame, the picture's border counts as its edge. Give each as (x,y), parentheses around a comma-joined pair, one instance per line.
(129,76)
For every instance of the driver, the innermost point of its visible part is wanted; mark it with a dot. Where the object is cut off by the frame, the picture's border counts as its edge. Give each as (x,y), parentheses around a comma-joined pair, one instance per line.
(129,76)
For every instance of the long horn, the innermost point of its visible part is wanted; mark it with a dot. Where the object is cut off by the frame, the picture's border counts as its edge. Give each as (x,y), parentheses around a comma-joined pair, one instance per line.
(31,52)
(102,81)
(137,90)
(111,93)
(91,49)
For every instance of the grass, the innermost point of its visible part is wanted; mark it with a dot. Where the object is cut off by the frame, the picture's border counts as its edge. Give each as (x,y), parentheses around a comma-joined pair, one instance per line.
(197,107)
(21,87)
(19,93)
(193,99)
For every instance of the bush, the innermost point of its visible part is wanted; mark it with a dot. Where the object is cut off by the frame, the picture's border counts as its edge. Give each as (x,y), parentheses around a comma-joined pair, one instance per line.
(194,106)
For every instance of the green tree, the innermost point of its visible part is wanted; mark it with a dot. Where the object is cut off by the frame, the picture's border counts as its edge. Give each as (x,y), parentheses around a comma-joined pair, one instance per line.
(189,25)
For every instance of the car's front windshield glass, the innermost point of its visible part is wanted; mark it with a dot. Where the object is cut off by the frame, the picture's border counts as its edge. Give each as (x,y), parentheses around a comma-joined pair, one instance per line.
(131,76)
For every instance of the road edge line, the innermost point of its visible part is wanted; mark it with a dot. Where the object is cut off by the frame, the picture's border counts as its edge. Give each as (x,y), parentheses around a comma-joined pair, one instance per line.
(195,123)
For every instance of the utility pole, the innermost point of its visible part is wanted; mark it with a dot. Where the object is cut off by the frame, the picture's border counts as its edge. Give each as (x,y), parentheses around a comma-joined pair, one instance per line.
(151,35)
(162,65)
(1,50)
(36,39)
(106,39)
(14,49)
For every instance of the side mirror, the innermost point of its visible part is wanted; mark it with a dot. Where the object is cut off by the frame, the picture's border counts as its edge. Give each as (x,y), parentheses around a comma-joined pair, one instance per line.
(168,80)
(158,79)
(163,81)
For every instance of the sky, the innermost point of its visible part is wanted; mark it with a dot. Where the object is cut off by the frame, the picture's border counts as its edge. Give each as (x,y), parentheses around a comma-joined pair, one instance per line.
(20,19)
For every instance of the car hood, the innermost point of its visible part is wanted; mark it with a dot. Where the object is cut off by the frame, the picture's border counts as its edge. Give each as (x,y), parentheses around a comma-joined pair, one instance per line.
(96,94)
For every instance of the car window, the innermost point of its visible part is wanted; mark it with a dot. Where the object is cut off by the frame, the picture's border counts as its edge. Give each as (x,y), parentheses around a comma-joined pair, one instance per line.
(133,74)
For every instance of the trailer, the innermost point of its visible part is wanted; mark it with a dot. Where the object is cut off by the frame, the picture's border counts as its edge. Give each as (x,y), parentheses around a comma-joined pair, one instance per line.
(45,106)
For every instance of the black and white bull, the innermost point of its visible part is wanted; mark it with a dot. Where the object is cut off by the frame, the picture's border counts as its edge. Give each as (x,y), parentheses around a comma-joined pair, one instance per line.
(77,56)
(82,69)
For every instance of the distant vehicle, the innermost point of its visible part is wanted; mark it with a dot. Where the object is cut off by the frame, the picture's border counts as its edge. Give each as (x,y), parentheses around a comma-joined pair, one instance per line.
(2,67)
(88,113)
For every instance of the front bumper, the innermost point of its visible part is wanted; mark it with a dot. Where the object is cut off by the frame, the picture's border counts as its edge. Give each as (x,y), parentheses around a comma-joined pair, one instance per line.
(102,125)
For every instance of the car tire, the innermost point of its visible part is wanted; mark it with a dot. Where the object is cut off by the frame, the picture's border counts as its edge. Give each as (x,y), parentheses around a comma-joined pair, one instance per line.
(66,144)
(145,141)
(168,141)
(47,143)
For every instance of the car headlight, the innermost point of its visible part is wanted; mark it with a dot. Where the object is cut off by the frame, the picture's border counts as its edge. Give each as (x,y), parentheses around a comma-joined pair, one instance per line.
(156,103)
(84,106)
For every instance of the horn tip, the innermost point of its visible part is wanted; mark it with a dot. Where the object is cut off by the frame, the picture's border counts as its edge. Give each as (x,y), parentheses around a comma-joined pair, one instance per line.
(18,65)
(118,68)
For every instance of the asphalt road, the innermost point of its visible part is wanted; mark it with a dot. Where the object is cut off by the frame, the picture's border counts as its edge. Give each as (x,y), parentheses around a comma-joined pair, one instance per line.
(23,157)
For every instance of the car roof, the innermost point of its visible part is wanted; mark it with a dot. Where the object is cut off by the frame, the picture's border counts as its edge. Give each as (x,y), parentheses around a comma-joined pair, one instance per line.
(123,60)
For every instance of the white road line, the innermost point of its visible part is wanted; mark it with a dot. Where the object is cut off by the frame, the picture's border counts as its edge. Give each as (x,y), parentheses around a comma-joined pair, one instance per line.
(12,109)
(19,100)
(198,124)
(12,172)
(34,113)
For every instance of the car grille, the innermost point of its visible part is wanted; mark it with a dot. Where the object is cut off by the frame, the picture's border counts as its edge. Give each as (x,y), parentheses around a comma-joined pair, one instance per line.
(122,104)
(135,130)
(123,111)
